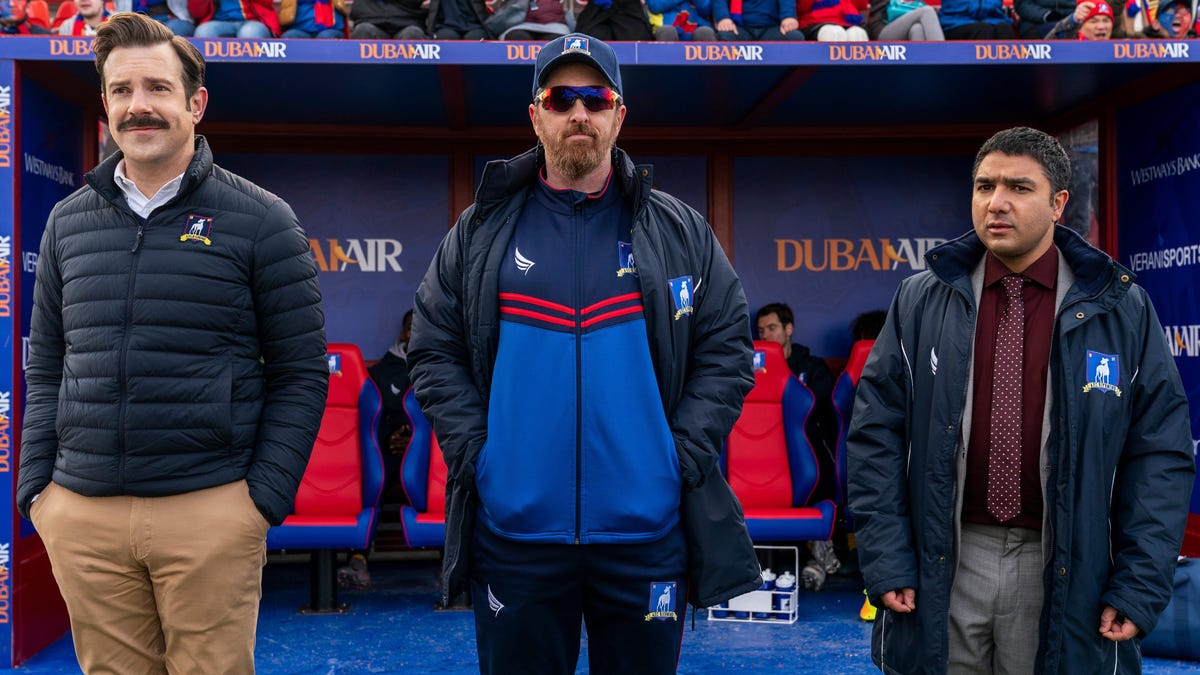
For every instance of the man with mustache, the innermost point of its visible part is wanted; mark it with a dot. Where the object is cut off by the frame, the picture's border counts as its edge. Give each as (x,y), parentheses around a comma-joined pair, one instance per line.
(1020,452)
(581,345)
(176,378)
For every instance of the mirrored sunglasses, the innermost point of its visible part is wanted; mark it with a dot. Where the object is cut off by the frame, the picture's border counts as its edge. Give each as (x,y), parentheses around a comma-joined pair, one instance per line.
(562,99)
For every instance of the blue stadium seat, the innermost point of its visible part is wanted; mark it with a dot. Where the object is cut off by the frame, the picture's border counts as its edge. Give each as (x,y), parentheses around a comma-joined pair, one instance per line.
(769,461)
(423,478)
(338,500)
(843,405)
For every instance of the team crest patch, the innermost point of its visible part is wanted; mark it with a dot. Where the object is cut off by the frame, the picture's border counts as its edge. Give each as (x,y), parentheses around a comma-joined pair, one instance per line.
(576,44)
(681,291)
(335,364)
(1104,373)
(197,228)
(625,263)
(760,361)
(662,601)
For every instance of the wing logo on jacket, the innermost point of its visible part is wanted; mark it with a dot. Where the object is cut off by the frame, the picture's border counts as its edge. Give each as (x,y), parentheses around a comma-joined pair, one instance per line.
(524,264)
(1104,371)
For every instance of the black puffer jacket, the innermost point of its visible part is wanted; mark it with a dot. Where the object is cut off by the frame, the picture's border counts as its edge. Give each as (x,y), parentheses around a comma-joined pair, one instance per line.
(162,363)
(702,361)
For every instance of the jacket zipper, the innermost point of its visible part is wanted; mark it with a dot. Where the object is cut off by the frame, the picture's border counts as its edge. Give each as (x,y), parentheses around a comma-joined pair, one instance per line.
(578,302)
(122,360)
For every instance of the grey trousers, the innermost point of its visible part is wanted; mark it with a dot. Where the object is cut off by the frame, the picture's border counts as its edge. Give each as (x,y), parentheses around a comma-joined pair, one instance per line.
(996,601)
(919,24)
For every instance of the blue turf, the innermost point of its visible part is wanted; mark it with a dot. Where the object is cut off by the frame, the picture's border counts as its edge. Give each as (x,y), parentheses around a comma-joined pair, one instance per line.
(393,629)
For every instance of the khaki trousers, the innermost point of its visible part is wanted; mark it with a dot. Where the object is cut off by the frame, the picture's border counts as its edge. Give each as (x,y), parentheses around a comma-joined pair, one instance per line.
(158,584)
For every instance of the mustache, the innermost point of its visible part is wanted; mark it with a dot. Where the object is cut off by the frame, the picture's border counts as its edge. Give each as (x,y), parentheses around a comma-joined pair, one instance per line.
(581,129)
(143,122)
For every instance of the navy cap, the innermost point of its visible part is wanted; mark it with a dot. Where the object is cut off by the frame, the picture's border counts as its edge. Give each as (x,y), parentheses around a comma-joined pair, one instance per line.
(577,48)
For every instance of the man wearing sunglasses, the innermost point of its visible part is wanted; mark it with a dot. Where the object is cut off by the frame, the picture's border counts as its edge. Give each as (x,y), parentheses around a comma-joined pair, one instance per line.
(581,345)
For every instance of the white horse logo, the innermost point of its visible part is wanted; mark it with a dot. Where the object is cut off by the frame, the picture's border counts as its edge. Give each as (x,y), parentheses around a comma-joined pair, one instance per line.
(685,298)
(1102,373)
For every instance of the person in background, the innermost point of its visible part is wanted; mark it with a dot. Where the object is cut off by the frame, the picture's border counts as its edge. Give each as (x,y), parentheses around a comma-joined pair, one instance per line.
(1092,20)
(746,20)
(830,21)
(312,18)
(687,20)
(88,17)
(456,20)
(173,14)
(235,18)
(918,22)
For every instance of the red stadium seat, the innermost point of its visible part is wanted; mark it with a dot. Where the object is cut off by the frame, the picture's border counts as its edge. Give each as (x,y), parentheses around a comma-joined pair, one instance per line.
(65,11)
(39,13)
(843,405)
(423,477)
(338,501)
(769,461)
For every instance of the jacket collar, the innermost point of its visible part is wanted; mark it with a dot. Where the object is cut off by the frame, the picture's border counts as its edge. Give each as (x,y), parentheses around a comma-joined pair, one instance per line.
(1094,270)
(102,178)
(505,177)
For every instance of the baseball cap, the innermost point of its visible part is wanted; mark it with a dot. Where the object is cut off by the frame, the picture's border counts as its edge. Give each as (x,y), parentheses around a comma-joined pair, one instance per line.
(1099,7)
(577,48)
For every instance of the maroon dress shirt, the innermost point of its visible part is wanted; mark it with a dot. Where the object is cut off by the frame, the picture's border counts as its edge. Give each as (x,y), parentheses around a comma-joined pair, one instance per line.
(1039,295)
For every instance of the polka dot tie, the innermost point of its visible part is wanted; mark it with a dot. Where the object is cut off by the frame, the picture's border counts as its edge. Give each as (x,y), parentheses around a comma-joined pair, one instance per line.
(1004,455)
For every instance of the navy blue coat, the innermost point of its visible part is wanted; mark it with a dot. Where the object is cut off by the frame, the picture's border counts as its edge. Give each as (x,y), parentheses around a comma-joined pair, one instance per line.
(702,363)
(1120,475)
(162,363)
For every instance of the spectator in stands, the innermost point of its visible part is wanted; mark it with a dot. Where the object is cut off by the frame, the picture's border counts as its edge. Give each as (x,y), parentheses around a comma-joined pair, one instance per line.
(235,18)
(176,378)
(1173,20)
(976,20)
(456,19)
(674,20)
(919,22)
(830,21)
(1019,497)
(1092,20)
(173,14)
(1040,17)
(15,20)
(545,20)
(624,20)
(89,15)
(756,20)
(388,19)
(590,515)
(312,18)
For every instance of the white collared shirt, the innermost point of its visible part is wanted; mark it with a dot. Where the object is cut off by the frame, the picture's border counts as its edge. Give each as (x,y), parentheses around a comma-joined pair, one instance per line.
(138,202)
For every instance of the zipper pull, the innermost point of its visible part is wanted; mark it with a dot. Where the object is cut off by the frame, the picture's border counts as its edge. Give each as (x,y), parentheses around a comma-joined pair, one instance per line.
(137,243)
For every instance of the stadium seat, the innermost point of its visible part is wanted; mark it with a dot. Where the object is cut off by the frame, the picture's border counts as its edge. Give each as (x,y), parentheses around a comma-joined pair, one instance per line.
(338,501)
(423,478)
(65,11)
(769,461)
(843,405)
(39,13)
